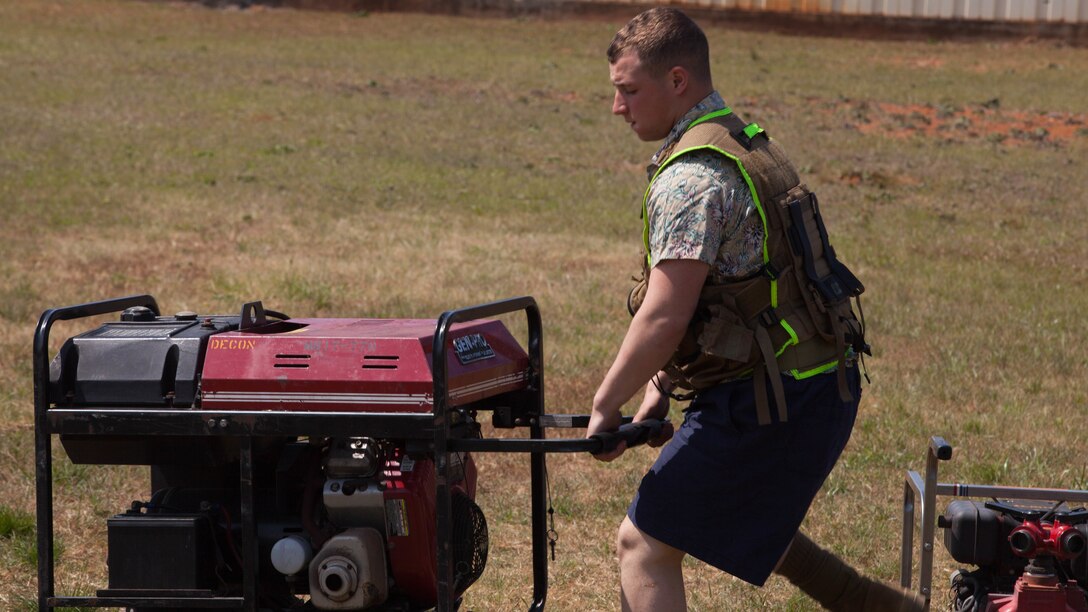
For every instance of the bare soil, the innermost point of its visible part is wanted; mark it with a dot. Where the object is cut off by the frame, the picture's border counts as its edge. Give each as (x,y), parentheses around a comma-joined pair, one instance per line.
(982,122)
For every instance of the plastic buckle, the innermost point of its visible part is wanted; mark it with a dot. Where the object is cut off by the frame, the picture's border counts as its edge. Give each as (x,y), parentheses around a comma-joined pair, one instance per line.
(748,134)
(769,317)
(770,271)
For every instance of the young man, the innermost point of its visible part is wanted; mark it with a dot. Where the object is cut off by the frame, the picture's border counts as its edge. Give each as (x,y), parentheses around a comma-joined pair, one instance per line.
(726,312)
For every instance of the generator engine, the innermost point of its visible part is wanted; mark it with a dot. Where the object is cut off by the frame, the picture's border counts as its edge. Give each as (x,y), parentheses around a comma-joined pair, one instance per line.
(343,522)
(1028,556)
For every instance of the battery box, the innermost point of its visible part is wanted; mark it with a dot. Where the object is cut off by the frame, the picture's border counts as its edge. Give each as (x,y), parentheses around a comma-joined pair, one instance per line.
(165,553)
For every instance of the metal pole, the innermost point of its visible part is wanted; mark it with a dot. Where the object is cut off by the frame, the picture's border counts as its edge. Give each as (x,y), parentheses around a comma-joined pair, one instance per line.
(907,544)
(43,462)
(443,510)
(249,524)
(538,466)
(939,450)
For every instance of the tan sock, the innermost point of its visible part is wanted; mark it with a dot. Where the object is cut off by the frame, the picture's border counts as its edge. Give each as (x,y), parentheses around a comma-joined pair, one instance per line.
(837,586)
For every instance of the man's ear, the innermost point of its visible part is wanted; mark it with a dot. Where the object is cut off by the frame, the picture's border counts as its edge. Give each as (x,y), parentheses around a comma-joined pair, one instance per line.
(679,79)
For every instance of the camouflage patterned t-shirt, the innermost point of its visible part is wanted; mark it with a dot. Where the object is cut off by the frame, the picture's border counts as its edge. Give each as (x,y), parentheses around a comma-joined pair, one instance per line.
(701,208)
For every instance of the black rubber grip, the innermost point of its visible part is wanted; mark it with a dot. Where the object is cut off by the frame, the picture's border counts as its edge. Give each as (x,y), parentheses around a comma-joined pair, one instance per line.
(632,433)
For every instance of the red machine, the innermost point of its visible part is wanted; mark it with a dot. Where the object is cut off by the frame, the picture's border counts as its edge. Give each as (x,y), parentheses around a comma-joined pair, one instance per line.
(1039,587)
(1027,548)
(346,365)
(316,464)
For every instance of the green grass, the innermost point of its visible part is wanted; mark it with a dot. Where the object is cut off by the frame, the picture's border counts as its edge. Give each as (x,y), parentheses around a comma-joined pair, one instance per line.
(15,524)
(400,165)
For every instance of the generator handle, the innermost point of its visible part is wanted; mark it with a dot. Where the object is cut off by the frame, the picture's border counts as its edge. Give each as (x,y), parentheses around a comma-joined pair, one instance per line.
(68,313)
(43,452)
(634,434)
(80,311)
(439,366)
(537,467)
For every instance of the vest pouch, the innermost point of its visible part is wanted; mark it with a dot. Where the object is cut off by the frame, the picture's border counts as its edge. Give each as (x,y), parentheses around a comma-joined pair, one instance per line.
(637,296)
(638,293)
(724,335)
(719,344)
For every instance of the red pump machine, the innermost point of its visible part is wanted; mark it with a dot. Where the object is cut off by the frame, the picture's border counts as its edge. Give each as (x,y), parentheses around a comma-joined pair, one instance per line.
(1027,545)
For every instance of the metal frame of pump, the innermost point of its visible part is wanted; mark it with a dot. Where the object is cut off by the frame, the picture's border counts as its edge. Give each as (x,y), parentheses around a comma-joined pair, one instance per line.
(926,489)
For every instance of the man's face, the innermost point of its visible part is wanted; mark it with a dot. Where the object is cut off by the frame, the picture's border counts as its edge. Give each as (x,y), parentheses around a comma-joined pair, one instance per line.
(642,99)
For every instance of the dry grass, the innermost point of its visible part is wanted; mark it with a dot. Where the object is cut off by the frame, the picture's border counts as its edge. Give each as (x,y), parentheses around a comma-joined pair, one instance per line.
(401,165)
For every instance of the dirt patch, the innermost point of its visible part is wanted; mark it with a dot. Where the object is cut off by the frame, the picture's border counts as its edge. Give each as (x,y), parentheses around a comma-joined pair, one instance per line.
(979,122)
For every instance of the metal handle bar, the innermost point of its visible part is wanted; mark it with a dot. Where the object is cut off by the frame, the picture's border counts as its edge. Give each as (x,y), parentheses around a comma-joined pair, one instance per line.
(442,444)
(67,313)
(634,434)
(925,488)
(439,366)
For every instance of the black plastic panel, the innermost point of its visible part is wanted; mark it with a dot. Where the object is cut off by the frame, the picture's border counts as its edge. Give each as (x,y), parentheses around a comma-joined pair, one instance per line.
(135,363)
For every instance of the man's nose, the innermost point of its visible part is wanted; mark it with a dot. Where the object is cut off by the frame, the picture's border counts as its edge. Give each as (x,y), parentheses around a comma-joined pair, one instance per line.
(618,107)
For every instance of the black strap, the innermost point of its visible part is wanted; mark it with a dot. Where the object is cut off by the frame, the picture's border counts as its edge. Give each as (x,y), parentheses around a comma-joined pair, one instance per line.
(840,283)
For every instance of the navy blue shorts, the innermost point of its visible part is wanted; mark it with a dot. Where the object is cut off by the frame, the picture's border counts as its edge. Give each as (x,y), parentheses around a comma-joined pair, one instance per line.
(732,493)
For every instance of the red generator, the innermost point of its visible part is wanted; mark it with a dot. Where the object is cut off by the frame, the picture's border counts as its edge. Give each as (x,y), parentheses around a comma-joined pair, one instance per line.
(295,464)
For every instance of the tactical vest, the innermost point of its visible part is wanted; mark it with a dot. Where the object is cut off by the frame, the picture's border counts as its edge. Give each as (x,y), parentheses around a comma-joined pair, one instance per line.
(795,316)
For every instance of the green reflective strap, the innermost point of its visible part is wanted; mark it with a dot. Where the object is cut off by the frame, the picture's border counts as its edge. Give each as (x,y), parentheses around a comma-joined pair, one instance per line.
(793,337)
(814,371)
(762,218)
(646,222)
(747,180)
(707,117)
(752,130)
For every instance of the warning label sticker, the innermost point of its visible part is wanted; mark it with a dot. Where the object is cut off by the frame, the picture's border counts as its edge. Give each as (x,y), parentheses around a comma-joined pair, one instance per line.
(396,512)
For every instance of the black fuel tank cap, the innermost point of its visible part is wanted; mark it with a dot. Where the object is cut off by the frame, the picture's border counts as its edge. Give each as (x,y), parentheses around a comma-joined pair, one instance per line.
(138,313)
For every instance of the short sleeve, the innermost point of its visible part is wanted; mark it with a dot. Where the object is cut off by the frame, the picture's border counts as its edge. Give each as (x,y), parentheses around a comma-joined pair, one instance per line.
(684,220)
(700,208)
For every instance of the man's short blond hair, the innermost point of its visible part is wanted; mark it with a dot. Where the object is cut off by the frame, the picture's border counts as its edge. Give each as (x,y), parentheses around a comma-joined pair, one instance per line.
(664,38)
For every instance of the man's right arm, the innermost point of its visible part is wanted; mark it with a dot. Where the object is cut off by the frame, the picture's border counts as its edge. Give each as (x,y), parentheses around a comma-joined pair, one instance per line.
(672,294)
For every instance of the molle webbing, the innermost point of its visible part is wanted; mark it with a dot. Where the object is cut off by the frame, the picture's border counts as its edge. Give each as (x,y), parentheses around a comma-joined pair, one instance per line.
(775,322)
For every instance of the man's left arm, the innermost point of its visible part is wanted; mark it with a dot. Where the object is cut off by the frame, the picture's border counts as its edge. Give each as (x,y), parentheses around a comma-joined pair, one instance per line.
(672,294)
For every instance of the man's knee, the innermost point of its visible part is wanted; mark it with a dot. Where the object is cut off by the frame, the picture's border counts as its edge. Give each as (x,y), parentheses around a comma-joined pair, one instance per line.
(628,539)
(634,545)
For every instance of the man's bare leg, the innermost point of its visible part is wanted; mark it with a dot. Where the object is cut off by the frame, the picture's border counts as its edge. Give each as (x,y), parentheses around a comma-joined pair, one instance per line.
(651,577)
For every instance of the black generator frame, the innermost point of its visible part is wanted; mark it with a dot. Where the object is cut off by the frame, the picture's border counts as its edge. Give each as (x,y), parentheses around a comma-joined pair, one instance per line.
(433,429)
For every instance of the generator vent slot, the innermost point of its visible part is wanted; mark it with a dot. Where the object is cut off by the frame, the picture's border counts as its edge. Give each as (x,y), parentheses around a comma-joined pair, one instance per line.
(291,364)
(383,362)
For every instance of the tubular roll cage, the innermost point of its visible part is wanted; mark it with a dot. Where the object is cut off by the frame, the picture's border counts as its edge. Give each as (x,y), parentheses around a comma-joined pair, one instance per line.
(434,428)
(927,489)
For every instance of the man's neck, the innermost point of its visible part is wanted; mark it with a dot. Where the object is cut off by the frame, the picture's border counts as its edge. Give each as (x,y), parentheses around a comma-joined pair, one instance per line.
(708,103)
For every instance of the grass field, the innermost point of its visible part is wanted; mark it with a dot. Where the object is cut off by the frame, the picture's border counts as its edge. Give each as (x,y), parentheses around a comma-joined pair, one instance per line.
(402,165)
